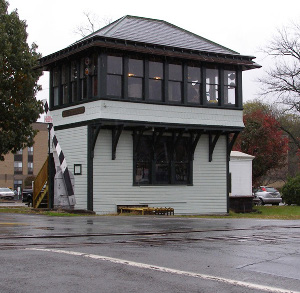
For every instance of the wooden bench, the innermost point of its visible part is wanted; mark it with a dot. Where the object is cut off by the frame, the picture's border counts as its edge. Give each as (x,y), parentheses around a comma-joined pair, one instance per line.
(148,210)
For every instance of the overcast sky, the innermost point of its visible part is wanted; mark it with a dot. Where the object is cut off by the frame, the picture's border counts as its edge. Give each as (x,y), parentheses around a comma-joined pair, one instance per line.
(243,26)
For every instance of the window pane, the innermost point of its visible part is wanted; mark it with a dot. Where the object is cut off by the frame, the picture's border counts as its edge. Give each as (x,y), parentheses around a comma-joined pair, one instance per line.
(175,91)
(181,151)
(114,65)
(135,87)
(162,173)
(175,72)
(142,172)
(65,94)
(181,172)
(84,88)
(194,74)
(114,85)
(55,76)
(74,91)
(73,71)
(135,67)
(95,85)
(55,92)
(30,168)
(212,93)
(156,70)
(194,93)
(212,76)
(30,150)
(18,167)
(229,77)
(229,95)
(155,89)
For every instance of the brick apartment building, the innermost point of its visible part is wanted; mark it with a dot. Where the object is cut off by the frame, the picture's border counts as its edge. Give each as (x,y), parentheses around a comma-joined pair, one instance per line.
(27,162)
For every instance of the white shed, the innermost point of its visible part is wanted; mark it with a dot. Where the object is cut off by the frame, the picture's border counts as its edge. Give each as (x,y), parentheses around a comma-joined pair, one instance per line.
(240,167)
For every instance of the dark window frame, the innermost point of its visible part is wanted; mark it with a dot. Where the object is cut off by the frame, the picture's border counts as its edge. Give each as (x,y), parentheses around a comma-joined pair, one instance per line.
(169,161)
(98,76)
(120,75)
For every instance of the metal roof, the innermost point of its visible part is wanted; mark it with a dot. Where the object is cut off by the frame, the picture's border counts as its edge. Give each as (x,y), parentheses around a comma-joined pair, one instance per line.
(151,36)
(159,32)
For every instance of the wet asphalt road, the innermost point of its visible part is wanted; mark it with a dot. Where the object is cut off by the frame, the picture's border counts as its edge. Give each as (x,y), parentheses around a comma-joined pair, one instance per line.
(147,254)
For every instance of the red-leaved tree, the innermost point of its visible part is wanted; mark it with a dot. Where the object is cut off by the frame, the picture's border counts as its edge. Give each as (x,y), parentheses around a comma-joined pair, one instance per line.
(263,138)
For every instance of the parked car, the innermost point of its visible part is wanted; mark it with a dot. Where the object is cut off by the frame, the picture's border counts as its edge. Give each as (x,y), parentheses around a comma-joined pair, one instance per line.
(6,193)
(27,195)
(267,195)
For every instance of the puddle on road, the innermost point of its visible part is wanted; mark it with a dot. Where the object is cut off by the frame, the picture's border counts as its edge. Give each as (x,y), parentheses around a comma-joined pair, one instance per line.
(45,228)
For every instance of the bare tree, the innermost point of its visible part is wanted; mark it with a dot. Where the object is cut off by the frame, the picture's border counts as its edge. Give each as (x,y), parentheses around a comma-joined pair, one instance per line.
(93,22)
(282,79)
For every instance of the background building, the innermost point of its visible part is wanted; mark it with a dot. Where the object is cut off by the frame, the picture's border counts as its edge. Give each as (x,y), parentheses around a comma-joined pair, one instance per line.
(27,162)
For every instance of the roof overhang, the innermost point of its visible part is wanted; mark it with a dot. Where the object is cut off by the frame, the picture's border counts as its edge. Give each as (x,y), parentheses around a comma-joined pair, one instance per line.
(245,62)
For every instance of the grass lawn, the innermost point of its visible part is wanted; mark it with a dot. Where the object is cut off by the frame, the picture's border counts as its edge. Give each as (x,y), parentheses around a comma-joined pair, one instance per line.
(260,212)
(271,212)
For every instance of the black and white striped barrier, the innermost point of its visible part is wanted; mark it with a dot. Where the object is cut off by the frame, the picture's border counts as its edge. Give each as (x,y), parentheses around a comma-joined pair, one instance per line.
(61,164)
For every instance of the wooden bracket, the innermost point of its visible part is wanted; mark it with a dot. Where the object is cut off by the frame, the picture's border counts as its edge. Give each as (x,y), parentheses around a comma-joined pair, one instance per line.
(116,133)
(231,142)
(212,144)
(194,141)
(95,129)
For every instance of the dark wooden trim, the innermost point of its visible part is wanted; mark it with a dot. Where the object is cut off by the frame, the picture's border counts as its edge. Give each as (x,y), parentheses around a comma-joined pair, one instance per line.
(228,177)
(106,43)
(193,144)
(212,143)
(95,132)
(203,98)
(231,142)
(90,166)
(146,81)
(116,133)
(60,88)
(137,139)
(109,98)
(165,96)
(239,96)
(221,88)
(78,82)
(128,124)
(51,92)
(185,84)
(124,88)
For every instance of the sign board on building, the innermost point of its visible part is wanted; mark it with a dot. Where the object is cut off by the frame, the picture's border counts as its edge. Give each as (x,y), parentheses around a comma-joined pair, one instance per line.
(48,119)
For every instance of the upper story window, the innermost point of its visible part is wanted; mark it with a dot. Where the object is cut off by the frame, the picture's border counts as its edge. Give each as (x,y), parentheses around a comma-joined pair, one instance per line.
(212,86)
(175,83)
(93,71)
(30,167)
(151,80)
(194,85)
(73,79)
(65,83)
(84,63)
(229,87)
(18,167)
(30,151)
(56,86)
(135,78)
(156,76)
(114,76)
